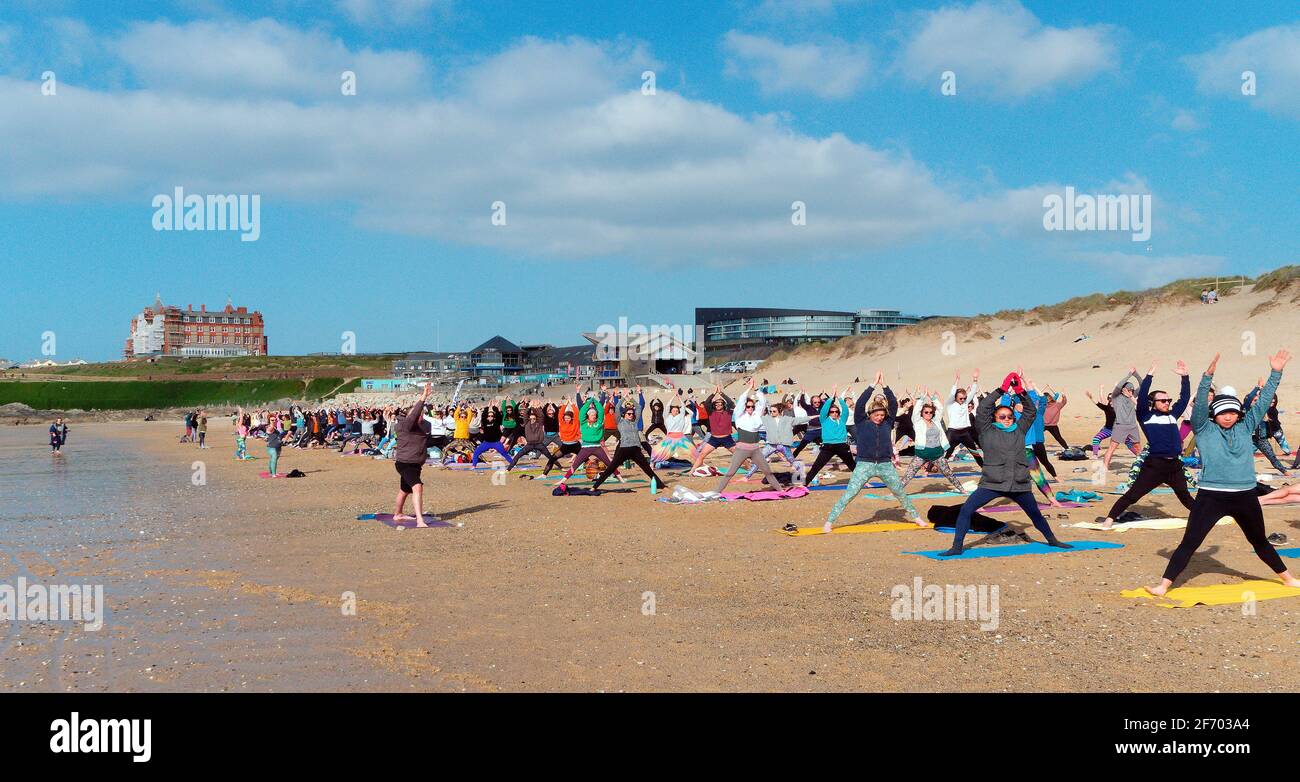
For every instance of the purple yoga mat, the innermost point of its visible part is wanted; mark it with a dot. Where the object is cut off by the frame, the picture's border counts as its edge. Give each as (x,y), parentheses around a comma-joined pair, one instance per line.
(387,518)
(1013,506)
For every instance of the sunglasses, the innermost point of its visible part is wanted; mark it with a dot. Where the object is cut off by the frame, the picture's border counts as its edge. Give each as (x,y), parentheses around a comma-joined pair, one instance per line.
(1158,401)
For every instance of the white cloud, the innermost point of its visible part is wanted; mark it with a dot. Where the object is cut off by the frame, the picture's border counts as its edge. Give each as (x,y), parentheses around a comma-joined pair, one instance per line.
(587,165)
(1185,121)
(1272,53)
(259,58)
(793,9)
(1149,270)
(389,12)
(834,69)
(1002,50)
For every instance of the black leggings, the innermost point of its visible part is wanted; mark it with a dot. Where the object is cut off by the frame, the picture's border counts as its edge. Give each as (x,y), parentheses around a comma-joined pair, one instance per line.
(653,426)
(1210,506)
(540,450)
(809,437)
(1040,452)
(1155,471)
(966,437)
(830,451)
(627,453)
(1055,431)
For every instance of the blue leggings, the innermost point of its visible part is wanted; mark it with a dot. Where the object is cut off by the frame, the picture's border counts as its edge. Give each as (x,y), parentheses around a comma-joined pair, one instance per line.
(274,453)
(484,448)
(982,496)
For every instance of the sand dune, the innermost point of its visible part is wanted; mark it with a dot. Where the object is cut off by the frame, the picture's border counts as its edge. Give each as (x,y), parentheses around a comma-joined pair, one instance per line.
(1153,328)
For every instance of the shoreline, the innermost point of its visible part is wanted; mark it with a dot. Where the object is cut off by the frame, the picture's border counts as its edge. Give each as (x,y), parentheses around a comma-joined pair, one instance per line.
(542,593)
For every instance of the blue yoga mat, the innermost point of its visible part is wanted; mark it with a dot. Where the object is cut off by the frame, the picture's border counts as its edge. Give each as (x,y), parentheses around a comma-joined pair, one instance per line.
(1290,553)
(1020,548)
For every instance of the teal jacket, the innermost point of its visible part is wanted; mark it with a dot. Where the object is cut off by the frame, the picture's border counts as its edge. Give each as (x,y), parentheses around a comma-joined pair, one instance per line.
(1228,455)
(834,432)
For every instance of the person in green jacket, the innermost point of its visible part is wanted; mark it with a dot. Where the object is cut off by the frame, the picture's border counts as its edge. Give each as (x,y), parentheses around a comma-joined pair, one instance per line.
(592,416)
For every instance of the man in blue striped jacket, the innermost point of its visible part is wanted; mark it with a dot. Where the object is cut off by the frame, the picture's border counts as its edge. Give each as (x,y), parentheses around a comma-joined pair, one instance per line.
(1158,414)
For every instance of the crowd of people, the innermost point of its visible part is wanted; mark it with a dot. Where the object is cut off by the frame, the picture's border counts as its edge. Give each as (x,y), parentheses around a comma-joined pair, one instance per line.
(1203,442)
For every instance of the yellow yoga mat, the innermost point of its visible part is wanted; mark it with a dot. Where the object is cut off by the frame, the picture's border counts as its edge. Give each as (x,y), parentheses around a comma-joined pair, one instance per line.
(897,526)
(1218,594)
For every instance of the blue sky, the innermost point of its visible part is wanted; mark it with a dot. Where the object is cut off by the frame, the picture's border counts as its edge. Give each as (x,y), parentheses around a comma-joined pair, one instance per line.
(376,207)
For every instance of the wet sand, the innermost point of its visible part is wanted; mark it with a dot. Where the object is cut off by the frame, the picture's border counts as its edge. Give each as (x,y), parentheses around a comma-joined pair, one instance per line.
(240,588)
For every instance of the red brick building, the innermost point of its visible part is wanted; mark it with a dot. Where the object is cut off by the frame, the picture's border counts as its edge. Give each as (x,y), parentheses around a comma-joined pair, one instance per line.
(168,330)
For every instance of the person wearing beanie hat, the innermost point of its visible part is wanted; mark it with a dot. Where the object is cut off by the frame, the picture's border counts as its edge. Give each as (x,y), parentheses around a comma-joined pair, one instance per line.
(875,453)
(1223,434)
(1006,463)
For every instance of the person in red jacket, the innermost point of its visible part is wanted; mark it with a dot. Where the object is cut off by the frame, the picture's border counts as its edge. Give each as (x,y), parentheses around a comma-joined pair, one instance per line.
(719,406)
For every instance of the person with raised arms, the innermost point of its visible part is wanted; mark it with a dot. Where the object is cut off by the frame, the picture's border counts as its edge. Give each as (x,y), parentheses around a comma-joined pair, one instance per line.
(875,426)
(748,420)
(1158,415)
(1125,430)
(412,450)
(720,422)
(931,442)
(1006,462)
(835,435)
(1228,483)
(592,435)
(957,414)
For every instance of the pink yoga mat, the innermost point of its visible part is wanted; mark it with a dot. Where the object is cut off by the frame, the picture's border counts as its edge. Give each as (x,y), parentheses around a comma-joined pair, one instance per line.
(268,475)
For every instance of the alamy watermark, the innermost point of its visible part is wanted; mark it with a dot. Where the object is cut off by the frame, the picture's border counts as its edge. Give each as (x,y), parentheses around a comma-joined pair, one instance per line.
(1085,212)
(181,212)
(917,602)
(34,602)
(638,342)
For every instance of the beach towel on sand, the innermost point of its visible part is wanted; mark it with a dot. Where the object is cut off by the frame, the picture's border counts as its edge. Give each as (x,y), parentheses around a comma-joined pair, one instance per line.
(794,492)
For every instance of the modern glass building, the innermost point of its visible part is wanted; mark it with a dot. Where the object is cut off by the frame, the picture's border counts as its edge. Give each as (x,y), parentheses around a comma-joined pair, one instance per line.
(733,328)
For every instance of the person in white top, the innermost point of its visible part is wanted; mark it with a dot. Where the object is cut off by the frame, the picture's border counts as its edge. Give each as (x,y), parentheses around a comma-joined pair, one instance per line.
(677,437)
(957,414)
(931,442)
(748,417)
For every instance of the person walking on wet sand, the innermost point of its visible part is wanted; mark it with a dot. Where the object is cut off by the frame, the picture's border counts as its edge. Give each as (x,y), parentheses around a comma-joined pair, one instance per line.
(58,436)
(412,450)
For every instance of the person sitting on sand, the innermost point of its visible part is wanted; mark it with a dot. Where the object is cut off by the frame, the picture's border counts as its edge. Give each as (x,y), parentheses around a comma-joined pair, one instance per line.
(1227,474)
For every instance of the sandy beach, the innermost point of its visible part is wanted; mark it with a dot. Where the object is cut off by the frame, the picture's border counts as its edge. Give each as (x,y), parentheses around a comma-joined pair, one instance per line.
(241,584)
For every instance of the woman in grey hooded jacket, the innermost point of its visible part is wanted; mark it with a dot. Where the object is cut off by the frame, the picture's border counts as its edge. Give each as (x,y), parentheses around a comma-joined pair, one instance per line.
(1006,467)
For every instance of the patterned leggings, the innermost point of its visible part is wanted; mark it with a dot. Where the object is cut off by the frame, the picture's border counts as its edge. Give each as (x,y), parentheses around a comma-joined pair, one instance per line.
(1036,473)
(864,472)
(914,467)
(785,450)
